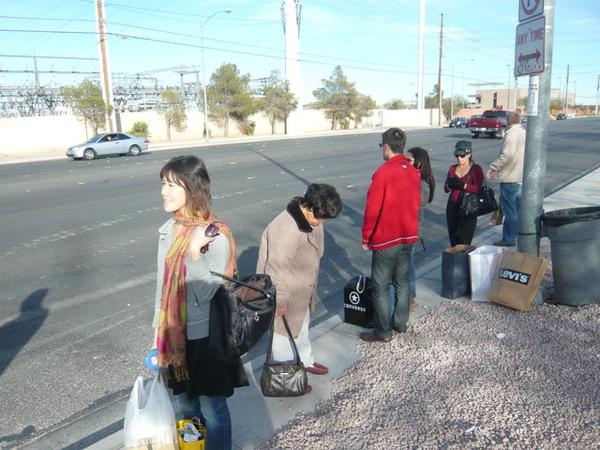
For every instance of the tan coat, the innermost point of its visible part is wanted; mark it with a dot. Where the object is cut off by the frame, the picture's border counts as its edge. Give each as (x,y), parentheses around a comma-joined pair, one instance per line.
(290,252)
(508,166)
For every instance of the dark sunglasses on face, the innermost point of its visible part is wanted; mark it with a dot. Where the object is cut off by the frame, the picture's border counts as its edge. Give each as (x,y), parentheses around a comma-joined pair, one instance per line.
(409,160)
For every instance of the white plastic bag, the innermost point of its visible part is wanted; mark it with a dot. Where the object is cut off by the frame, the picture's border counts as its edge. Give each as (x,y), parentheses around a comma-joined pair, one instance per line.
(483,263)
(149,417)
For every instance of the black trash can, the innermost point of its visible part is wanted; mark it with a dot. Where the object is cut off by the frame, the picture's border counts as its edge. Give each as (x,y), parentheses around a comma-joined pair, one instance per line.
(574,235)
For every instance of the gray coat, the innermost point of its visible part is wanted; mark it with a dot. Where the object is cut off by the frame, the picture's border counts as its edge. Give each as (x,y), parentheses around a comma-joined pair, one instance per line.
(290,252)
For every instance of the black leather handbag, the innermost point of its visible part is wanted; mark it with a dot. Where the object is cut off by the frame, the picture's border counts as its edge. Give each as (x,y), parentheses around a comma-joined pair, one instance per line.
(283,379)
(241,312)
(477,204)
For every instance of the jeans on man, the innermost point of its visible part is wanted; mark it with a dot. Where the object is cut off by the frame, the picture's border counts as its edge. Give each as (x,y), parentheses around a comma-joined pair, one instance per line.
(510,202)
(390,267)
(214,414)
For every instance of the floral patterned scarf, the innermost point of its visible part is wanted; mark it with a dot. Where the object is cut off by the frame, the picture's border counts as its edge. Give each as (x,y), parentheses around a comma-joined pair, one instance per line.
(172,317)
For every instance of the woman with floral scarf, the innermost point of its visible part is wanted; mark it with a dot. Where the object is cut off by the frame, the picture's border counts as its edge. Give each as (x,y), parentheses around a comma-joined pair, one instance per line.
(186,256)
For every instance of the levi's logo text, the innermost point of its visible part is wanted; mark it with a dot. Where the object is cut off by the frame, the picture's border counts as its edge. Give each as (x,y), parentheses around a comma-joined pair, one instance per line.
(513,275)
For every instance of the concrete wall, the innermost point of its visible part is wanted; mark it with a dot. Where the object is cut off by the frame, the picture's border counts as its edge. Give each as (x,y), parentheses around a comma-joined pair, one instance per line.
(54,134)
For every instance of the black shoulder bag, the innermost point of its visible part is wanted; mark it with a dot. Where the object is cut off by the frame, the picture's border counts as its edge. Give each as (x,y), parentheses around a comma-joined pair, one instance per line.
(283,379)
(477,204)
(241,312)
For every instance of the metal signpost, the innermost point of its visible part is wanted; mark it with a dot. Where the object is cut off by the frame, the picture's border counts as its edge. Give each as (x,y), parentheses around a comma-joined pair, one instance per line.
(533,57)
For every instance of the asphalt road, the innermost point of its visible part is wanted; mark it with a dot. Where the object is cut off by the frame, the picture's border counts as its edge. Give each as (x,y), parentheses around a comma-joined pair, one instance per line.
(78,243)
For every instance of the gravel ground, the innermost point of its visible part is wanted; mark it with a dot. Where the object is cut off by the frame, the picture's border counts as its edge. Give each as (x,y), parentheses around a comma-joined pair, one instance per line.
(468,375)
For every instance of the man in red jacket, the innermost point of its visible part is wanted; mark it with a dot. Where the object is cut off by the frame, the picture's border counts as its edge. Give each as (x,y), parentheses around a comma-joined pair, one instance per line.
(390,230)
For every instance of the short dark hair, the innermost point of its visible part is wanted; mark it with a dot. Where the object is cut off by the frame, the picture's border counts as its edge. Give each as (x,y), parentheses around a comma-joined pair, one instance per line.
(396,139)
(513,118)
(190,173)
(323,200)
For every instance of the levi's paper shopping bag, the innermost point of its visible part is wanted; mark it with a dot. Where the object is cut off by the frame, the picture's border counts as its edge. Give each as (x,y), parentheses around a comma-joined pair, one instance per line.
(483,262)
(517,279)
(455,271)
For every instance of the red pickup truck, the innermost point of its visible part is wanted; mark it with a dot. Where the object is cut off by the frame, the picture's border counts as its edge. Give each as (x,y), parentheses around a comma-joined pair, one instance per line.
(492,122)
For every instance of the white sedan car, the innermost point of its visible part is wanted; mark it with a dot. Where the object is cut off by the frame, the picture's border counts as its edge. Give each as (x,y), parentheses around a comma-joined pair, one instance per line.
(109,144)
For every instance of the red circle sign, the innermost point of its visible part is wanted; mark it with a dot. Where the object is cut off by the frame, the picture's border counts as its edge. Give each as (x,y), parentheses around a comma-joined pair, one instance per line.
(528,10)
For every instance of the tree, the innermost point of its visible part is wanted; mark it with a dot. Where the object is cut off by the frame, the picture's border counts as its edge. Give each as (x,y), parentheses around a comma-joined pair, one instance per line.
(338,97)
(277,101)
(364,108)
(230,97)
(432,100)
(556,105)
(395,103)
(172,106)
(140,129)
(87,104)
(458,100)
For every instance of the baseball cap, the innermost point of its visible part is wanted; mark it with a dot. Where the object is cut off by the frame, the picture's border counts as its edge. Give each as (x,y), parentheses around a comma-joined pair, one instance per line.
(463,148)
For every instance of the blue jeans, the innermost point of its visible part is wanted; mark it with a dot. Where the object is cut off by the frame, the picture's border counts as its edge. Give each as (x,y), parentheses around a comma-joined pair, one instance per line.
(412,282)
(412,276)
(390,267)
(214,414)
(510,202)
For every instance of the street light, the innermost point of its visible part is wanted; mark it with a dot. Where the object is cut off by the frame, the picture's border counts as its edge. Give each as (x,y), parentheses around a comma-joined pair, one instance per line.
(452,86)
(508,91)
(206,133)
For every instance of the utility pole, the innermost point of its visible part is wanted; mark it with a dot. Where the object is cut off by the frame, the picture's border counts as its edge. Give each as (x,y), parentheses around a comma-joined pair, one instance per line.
(440,95)
(567,94)
(105,77)
(290,13)
(421,70)
(597,94)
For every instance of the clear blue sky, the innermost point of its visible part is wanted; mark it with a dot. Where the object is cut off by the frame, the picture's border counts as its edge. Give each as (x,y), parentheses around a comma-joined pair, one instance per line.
(374,41)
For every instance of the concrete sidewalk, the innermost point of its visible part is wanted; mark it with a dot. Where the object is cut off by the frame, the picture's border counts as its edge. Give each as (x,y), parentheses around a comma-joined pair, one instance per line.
(336,344)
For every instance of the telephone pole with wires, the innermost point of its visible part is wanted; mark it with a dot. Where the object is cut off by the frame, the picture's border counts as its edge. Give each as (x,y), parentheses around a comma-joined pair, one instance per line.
(105,74)
(597,94)
(440,93)
(290,14)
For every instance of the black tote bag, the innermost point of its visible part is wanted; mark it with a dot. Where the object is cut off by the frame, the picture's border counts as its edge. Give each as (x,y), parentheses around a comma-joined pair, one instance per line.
(241,312)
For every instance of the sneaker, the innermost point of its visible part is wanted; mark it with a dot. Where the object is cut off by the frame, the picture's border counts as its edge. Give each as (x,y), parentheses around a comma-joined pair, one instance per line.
(317,369)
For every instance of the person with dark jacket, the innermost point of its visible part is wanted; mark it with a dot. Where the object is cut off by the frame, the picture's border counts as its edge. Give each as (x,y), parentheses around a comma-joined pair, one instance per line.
(390,230)
(465,175)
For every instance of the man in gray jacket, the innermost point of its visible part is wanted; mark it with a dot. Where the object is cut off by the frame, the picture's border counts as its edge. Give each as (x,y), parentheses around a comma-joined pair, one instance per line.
(508,169)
